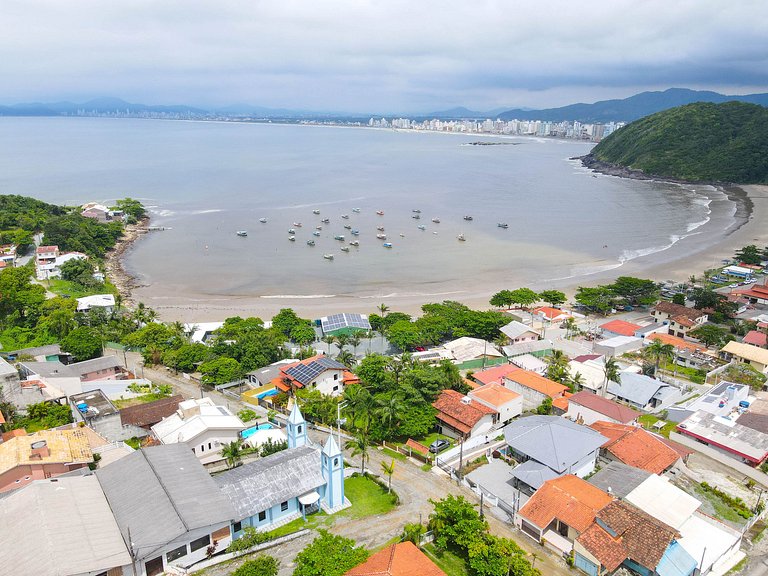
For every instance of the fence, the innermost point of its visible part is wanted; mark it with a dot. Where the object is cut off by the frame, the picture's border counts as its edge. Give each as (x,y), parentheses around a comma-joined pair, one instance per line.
(407,451)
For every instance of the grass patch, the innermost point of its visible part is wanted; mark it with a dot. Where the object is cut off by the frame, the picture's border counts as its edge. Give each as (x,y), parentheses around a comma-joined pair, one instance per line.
(133,442)
(368,498)
(739,566)
(447,561)
(429,438)
(426,467)
(75,290)
(722,509)
(318,520)
(647,421)
(393,454)
(143,399)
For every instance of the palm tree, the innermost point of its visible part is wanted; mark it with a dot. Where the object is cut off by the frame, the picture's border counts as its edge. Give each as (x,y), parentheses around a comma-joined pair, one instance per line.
(347,358)
(232,453)
(383,308)
(342,340)
(576,382)
(354,340)
(570,326)
(389,409)
(359,405)
(328,339)
(612,373)
(388,469)
(360,445)
(658,350)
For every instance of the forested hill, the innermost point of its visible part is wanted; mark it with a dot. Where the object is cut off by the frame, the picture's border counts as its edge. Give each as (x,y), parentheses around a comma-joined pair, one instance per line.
(725,142)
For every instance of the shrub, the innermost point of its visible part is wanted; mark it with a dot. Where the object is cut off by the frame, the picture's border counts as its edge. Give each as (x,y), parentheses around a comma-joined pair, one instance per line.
(250,538)
(246,415)
(259,566)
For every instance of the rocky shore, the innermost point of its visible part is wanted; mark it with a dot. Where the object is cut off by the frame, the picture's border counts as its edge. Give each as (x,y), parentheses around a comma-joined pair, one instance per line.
(113,261)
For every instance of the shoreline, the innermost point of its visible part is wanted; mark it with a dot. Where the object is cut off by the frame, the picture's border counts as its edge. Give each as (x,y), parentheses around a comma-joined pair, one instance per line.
(125,282)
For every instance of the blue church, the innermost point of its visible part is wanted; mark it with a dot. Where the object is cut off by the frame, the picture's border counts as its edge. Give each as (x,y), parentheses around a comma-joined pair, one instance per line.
(290,484)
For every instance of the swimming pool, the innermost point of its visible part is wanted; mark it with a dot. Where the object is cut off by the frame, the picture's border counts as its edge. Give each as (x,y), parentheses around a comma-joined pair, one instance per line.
(248,432)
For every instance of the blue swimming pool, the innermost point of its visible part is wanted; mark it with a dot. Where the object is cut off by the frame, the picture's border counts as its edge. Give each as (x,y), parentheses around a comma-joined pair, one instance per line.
(248,432)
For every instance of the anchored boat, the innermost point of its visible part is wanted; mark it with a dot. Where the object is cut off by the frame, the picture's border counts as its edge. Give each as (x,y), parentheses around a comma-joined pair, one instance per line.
(339,237)
(242,233)
(468,218)
(315,211)
(263,220)
(436,220)
(345,248)
(328,256)
(387,245)
(461,238)
(503,225)
(310,242)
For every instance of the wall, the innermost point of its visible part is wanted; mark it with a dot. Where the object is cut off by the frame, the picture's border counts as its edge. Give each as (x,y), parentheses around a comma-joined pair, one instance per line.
(28,474)
(531,398)
(186,538)
(199,443)
(325,383)
(588,415)
(584,466)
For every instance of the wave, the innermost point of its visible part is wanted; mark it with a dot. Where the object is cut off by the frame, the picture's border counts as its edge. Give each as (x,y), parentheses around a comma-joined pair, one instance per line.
(411,294)
(210,211)
(297,296)
(163,212)
(315,204)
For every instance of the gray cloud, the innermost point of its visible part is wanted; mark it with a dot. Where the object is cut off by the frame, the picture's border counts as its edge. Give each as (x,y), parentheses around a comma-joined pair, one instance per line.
(377,55)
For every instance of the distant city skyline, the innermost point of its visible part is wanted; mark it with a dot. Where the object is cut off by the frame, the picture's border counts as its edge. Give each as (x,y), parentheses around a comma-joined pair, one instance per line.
(392,57)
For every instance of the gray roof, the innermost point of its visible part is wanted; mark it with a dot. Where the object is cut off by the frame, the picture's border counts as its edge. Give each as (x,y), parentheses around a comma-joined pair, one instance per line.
(49,350)
(266,374)
(6,368)
(516,329)
(261,484)
(533,473)
(59,526)
(101,363)
(53,369)
(160,493)
(618,479)
(526,348)
(552,440)
(636,388)
(305,373)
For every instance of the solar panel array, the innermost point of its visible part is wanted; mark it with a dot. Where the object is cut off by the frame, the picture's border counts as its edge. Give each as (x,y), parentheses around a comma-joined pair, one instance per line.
(339,321)
(305,373)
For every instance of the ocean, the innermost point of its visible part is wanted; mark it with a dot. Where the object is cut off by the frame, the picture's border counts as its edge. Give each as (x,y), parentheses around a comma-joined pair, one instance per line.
(206,180)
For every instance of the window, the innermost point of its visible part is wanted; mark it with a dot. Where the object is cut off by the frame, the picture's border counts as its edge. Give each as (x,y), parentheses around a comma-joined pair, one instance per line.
(336,376)
(237,526)
(299,428)
(336,388)
(200,543)
(209,445)
(176,554)
(335,462)
(262,515)
(202,448)
(284,506)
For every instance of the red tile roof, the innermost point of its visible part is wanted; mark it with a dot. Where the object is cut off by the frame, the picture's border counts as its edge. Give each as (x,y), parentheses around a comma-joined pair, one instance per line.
(606,407)
(549,312)
(676,342)
(44,249)
(560,404)
(149,414)
(569,499)
(756,338)
(495,374)
(457,414)
(636,447)
(621,327)
(539,383)
(673,309)
(402,559)
(417,446)
(494,394)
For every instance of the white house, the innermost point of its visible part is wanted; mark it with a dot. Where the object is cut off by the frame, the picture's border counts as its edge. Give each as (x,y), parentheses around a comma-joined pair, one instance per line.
(203,426)
(460,416)
(587,408)
(104,301)
(320,373)
(49,260)
(518,332)
(508,404)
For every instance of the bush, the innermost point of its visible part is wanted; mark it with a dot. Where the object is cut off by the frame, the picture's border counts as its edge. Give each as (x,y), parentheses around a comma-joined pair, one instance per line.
(259,566)
(246,415)
(250,538)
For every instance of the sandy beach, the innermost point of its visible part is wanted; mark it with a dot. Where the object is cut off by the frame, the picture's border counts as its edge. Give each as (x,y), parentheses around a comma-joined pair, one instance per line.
(690,256)
(113,261)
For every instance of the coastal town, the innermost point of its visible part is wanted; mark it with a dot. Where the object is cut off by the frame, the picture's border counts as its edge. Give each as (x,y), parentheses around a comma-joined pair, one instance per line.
(622,429)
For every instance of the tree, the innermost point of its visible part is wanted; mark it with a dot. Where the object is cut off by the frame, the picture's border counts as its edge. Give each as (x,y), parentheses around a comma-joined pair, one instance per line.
(360,444)
(354,340)
(455,522)
(388,469)
(346,357)
(678,299)
(329,555)
(133,209)
(545,407)
(599,299)
(612,372)
(553,297)
(221,371)
(302,334)
(260,566)
(328,339)
(571,327)
(232,453)
(557,368)
(412,533)
(710,334)
(383,308)
(286,320)
(657,351)
(502,299)
(404,334)
(80,271)
(576,382)
(750,255)
(635,291)
(83,343)
(524,297)
(388,410)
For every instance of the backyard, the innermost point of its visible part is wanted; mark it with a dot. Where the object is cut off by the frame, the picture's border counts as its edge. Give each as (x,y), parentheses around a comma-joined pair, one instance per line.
(447,561)
(648,420)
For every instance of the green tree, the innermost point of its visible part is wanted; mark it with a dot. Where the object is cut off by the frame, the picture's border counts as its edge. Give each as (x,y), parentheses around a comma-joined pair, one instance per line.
(553,297)
(221,371)
(658,351)
(328,339)
(455,522)
(750,255)
(635,291)
(133,209)
(599,299)
(678,299)
(360,445)
(524,297)
(80,271)
(232,453)
(388,469)
(21,300)
(388,409)
(502,299)
(557,366)
(404,334)
(83,343)
(302,334)
(612,372)
(285,321)
(545,407)
(710,334)
(329,555)
(413,532)
(260,566)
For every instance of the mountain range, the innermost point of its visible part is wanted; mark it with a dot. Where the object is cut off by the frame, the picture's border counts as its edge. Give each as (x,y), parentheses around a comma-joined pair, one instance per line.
(618,110)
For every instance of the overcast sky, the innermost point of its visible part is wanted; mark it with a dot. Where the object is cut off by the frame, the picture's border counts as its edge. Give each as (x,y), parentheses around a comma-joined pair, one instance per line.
(378,56)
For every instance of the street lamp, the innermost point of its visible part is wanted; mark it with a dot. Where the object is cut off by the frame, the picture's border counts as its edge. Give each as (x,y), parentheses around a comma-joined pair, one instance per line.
(339,406)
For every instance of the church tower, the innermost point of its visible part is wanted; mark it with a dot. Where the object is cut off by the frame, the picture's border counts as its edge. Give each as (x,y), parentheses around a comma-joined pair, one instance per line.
(296,429)
(332,464)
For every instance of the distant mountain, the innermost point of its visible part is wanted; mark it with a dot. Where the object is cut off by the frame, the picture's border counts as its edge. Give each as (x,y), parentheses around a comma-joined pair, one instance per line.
(629,109)
(248,110)
(725,142)
(98,105)
(458,113)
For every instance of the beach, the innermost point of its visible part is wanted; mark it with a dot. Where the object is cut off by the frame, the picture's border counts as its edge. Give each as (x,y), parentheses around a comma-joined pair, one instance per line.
(690,256)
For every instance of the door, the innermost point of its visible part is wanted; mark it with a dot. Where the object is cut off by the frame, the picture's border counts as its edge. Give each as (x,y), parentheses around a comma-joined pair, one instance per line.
(584,565)
(154,566)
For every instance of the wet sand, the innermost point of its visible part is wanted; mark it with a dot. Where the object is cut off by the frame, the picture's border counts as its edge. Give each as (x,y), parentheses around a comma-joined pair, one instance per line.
(690,256)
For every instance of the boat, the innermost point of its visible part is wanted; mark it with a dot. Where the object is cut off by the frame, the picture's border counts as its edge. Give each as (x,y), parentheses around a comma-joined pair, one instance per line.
(402,235)
(354,243)
(326,220)
(381,236)
(292,238)
(380,212)
(242,233)
(263,220)
(339,237)
(345,216)
(355,232)
(356,210)
(297,224)
(421,227)
(315,233)
(416,211)
(436,220)
(291,231)
(315,211)
(347,227)
(380,228)
(345,248)
(387,245)
(310,242)
(318,227)
(468,218)
(416,217)
(503,225)
(461,238)
(328,256)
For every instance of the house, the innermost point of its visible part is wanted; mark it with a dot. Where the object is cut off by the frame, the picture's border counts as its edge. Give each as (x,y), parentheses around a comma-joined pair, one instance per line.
(201,425)
(61,527)
(144,416)
(473,352)
(530,362)
(560,510)
(634,446)
(551,314)
(618,345)
(201,332)
(494,375)
(548,447)
(96,211)
(714,545)
(618,479)
(104,301)
(752,355)
(639,391)
(591,368)
(756,294)
(756,338)
(538,348)
(508,404)
(619,328)
(26,458)
(681,319)
(726,436)
(344,324)
(265,375)
(623,535)
(516,332)
(587,408)
(460,416)
(49,353)
(689,354)
(9,379)
(533,387)
(400,559)
(8,255)
(286,485)
(49,260)
(102,368)
(320,373)
(97,412)
(167,507)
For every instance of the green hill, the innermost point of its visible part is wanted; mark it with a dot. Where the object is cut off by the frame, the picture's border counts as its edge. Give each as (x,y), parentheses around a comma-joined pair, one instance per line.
(697,142)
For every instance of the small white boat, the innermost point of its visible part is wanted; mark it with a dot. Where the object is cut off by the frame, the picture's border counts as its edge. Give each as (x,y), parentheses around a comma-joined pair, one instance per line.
(291,231)
(461,238)
(347,227)
(436,220)
(468,218)
(380,228)
(345,216)
(292,238)
(355,232)
(242,233)
(381,236)
(503,225)
(380,212)
(402,235)
(356,210)
(421,227)
(339,237)
(310,242)
(318,227)
(315,211)
(354,243)
(387,245)
(326,220)
(263,220)
(316,233)
(345,248)
(416,211)
(416,217)
(297,224)
(328,256)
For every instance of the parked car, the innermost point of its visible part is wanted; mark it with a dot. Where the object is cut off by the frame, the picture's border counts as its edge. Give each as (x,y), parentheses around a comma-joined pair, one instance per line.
(439,446)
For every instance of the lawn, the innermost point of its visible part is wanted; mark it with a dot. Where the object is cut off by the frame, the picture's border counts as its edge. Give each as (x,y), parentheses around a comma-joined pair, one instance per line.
(447,561)
(722,510)
(647,421)
(318,520)
(143,399)
(367,497)
(393,454)
(74,290)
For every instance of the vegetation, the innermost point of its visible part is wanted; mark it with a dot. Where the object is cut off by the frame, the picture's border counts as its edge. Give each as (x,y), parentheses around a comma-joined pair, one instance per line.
(710,334)
(329,555)
(260,566)
(744,374)
(250,538)
(726,506)
(39,417)
(714,142)
(625,291)
(368,497)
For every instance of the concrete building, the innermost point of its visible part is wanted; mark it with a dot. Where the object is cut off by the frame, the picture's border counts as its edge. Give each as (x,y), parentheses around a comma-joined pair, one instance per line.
(586,408)
(517,332)
(618,345)
(460,416)
(508,404)
(533,387)
(727,436)
(640,392)
(680,319)
(753,355)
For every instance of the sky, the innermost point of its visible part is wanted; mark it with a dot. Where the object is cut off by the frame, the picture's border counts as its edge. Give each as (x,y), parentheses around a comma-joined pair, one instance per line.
(365,56)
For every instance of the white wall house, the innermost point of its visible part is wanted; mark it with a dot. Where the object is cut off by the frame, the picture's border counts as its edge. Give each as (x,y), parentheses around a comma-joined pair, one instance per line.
(507,403)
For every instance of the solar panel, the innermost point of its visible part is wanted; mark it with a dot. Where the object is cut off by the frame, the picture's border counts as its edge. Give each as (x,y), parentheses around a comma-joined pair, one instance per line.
(339,321)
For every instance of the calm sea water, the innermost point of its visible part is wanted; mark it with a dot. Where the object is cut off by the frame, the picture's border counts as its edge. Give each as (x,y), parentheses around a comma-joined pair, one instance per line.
(208,180)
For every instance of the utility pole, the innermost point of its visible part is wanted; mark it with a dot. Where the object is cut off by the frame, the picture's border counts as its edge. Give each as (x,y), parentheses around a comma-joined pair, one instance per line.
(461,458)
(482,514)
(131,552)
